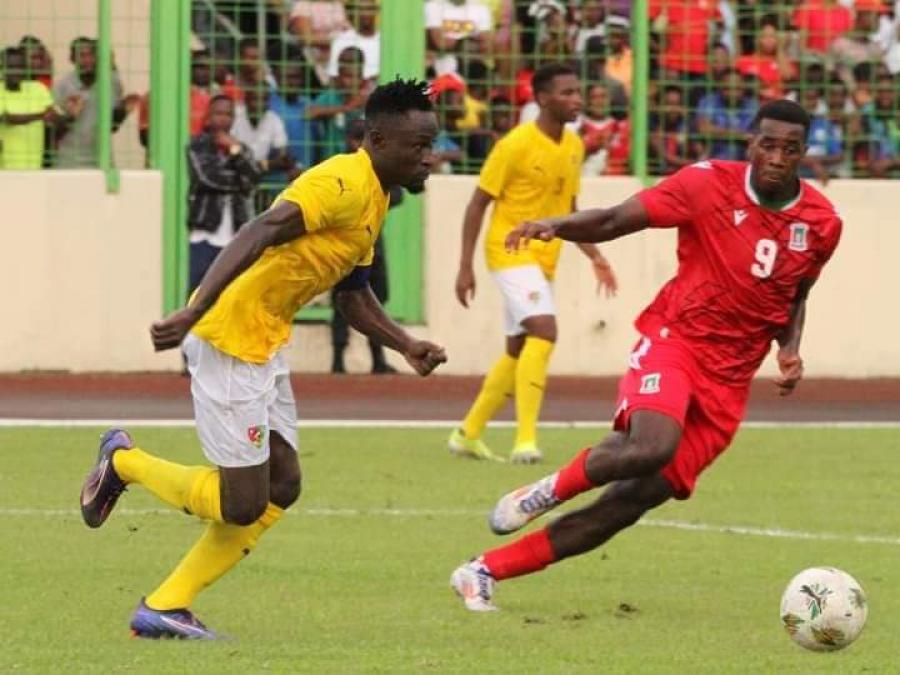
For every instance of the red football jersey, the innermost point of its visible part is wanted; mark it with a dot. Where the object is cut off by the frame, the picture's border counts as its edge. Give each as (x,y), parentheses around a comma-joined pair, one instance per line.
(739,264)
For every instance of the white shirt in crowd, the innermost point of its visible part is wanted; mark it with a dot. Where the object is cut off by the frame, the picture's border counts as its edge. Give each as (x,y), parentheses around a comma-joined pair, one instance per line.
(263,139)
(369,45)
(456,22)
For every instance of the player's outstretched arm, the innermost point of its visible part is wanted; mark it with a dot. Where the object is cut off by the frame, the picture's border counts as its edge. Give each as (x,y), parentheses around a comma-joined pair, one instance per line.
(592,225)
(789,362)
(363,311)
(280,224)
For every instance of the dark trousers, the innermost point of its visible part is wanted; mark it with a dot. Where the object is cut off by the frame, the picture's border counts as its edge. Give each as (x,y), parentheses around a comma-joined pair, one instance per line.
(200,257)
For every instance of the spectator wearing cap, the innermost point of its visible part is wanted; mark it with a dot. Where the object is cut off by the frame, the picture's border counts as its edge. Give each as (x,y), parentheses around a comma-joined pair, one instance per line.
(590,23)
(553,39)
(619,63)
(451,24)
(724,116)
(770,63)
(362,35)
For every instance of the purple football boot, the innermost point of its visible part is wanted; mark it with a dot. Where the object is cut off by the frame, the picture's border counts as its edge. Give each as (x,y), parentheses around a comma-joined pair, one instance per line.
(102,487)
(170,623)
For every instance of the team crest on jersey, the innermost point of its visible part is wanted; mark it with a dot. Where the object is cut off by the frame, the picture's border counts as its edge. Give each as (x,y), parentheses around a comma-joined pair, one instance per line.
(534,296)
(257,435)
(797,241)
(650,383)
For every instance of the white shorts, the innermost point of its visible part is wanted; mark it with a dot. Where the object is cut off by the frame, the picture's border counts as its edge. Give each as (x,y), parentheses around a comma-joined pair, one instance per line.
(526,292)
(238,404)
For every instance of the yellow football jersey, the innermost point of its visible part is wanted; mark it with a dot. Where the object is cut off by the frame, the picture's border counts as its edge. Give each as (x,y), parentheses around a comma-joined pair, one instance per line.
(343,207)
(530,176)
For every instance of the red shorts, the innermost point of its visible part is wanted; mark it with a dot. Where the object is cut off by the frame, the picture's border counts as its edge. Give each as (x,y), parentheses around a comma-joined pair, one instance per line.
(663,376)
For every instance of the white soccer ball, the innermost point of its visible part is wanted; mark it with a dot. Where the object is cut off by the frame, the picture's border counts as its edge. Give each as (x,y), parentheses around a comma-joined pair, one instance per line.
(824,609)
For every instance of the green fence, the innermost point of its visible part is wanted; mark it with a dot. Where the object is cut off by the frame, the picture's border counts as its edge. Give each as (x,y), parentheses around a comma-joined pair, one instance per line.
(666,83)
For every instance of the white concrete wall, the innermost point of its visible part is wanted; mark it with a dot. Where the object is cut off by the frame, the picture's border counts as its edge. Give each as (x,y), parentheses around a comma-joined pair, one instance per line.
(81,273)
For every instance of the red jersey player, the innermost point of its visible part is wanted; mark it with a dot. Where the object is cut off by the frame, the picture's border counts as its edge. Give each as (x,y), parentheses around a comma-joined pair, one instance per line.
(752,239)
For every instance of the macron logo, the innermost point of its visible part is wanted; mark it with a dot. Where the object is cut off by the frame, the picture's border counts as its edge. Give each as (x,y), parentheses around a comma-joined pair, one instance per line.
(739,216)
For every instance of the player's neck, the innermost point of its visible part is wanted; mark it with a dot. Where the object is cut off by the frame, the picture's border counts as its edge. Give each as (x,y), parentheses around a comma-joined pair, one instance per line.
(549,126)
(775,200)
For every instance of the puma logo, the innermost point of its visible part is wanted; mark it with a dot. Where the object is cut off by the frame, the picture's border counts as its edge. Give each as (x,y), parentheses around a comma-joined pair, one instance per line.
(341,185)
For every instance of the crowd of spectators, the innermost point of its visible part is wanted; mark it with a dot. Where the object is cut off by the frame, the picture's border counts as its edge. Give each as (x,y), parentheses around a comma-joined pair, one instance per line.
(712,63)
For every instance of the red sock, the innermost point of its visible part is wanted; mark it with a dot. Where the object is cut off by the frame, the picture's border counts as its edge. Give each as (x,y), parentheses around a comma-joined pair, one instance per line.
(572,479)
(531,553)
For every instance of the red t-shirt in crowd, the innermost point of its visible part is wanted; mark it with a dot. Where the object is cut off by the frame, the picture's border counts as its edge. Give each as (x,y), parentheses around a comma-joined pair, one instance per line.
(687,32)
(822,24)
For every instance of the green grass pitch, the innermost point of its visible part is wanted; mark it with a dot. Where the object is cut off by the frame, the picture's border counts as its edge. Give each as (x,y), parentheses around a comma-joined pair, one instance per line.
(355,579)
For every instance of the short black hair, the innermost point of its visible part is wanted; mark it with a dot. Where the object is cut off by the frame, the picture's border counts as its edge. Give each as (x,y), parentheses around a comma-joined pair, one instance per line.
(782,110)
(398,98)
(9,52)
(81,41)
(543,76)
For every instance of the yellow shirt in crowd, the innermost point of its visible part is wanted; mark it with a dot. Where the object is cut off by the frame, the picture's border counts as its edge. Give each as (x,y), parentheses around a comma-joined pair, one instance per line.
(343,207)
(530,176)
(22,145)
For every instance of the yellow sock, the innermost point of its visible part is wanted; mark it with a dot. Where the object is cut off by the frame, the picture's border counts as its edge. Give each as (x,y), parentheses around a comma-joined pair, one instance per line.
(531,377)
(193,489)
(221,547)
(499,384)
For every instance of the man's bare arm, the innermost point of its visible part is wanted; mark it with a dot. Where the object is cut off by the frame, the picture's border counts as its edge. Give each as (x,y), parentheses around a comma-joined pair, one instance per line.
(280,224)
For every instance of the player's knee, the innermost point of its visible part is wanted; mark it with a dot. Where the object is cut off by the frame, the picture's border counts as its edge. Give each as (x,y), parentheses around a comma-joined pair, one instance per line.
(285,490)
(244,512)
(649,454)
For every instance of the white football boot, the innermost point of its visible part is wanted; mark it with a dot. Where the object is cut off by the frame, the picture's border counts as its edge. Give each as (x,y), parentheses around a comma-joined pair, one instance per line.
(475,585)
(518,508)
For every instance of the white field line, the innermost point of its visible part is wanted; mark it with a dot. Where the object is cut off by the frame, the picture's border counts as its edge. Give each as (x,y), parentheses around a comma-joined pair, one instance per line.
(741,530)
(417,424)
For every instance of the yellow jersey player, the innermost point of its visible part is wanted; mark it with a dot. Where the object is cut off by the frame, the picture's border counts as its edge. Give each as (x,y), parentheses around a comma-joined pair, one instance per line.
(318,234)
(532,173)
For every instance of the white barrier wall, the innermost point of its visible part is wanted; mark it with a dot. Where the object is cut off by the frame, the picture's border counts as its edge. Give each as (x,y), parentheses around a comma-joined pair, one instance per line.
(81,273)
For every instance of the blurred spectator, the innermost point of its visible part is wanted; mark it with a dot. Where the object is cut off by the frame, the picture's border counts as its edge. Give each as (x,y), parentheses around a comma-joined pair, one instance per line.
(720,63)
(686,27)
(38,59)
(619,65)
(618,148)
(363,35)
(878,151)
(859,44)
(475,95)
(863,78)
(316,23)
(338,105)
(262,130)
(501,116)
(590,23)
(597,128)
(449,23)
(596,70)
(250,71)
(223,176)
(378,279)
(448,93)
(724,116)
(201,81)
(76,95)
(553,39)
(825,142)
(25,105)
(291,104)
(820,23)
(670,144)
(770,63)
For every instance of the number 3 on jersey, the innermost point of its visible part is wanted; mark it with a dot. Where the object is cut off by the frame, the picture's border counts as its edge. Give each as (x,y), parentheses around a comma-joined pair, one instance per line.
(766,250)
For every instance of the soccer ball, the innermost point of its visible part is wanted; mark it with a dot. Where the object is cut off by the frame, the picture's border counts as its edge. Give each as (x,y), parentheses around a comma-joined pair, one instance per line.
(823,609)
